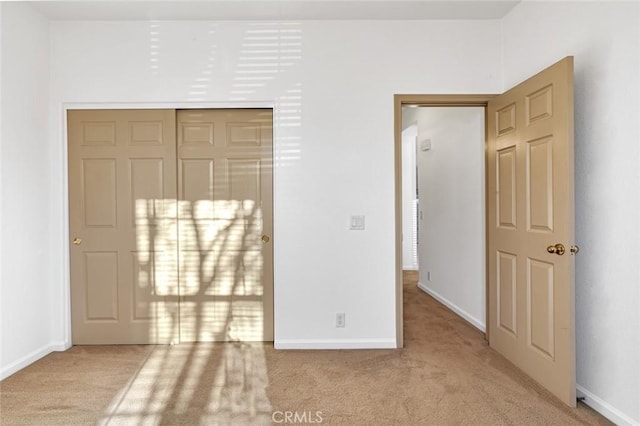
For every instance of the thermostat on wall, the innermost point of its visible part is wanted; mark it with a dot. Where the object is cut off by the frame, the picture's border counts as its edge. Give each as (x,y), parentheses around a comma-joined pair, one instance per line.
(425,145)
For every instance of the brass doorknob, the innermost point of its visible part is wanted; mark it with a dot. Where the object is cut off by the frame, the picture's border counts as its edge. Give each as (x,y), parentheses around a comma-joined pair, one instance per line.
(77,241)
(556,249)
(265,239)
(574,250)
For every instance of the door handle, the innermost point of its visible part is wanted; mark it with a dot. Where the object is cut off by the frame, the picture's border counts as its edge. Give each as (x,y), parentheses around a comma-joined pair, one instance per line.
(77,241)
(556,249)
(574,250)
(265,239)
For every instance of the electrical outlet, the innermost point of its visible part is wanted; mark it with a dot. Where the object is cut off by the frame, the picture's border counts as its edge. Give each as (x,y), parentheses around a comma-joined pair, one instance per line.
(428,275)
(340,319)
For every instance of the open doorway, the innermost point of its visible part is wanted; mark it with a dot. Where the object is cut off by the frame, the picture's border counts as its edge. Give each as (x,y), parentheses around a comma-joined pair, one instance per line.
(443,205)
(450,214)
(530,217)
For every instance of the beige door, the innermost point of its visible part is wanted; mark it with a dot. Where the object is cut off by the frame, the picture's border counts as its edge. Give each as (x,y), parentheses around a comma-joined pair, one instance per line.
(531,218)
(225,224)
(151,263)
(122,211)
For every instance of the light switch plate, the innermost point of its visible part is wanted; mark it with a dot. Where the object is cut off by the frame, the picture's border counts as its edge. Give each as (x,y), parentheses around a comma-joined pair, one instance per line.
(357,223)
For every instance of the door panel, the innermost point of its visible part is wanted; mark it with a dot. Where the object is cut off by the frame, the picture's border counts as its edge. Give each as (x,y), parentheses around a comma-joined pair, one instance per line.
(507,291)
(540,290)
(531,207)
(197,181)
(540,185)
(99,192)
(225,206)
(122,212)
(147,181)
(101,281)
(506,178)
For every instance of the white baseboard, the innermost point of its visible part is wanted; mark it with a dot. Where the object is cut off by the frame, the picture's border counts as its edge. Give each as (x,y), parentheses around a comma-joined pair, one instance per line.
(480,325)
(410,268)
(61,346)
(606,409)
(336,344)
(29,359)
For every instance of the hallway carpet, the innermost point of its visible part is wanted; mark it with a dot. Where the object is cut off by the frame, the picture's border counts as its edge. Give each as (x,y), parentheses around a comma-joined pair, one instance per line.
(445,375)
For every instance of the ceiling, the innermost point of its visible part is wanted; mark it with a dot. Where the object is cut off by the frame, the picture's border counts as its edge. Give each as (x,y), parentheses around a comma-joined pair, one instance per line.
(101,10)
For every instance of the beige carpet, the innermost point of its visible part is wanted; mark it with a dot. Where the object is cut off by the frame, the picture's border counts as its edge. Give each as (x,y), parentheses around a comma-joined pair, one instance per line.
(445,375)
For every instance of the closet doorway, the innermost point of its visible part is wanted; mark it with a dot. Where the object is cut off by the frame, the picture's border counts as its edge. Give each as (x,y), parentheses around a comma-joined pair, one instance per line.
(171,220)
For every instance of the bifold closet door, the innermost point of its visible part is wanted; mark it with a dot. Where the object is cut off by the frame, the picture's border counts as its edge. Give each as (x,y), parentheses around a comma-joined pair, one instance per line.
(122,223)
(225,224)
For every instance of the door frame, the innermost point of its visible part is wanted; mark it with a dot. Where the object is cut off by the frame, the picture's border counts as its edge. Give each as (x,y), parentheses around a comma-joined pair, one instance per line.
(66,246)
(429,100)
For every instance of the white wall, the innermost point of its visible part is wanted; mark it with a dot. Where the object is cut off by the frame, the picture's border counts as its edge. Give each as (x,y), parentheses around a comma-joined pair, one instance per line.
(409,225)
(451,192)
(332,84)
(27,282)
(604,37)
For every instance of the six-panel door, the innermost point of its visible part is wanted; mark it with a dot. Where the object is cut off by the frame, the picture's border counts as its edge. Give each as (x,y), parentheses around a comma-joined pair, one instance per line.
(224,210)
(531,208)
